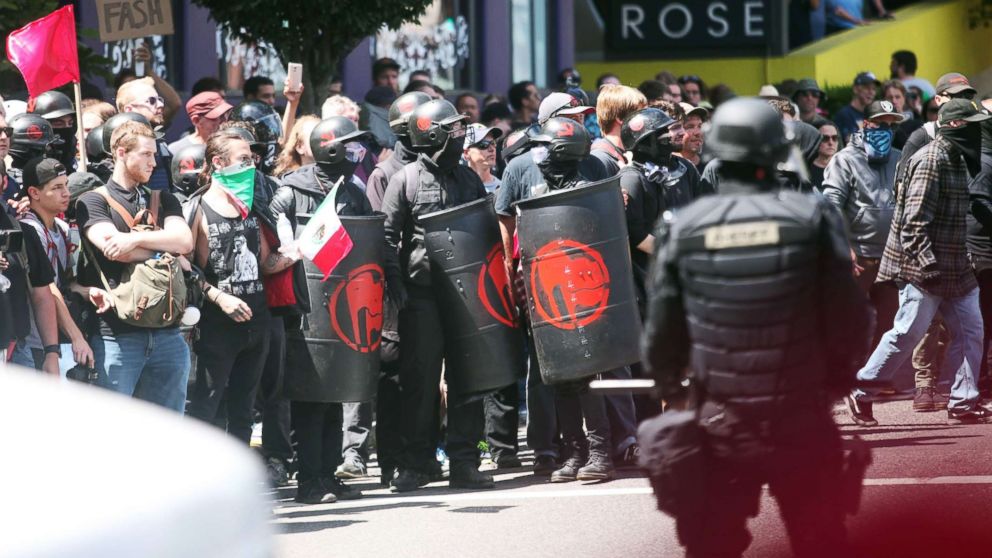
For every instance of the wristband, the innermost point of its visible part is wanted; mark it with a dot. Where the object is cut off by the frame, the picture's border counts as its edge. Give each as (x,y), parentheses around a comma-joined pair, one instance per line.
(53,349)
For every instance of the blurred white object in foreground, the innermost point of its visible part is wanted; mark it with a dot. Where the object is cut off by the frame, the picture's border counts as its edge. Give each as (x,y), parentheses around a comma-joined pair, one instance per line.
(90,473)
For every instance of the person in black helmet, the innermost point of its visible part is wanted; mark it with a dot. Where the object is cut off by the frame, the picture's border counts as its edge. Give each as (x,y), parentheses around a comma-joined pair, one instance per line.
(98,161)
(746,292)
(186,166)
(434,182)
(58,110)
(32,137)
(403,152)
(337,148)
(261,113)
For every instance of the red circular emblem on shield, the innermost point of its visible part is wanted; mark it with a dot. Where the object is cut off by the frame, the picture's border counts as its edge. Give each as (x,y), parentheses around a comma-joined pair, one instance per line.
(34,132)
(569,283)
(494,288)
(356,309)
(637,123)
(423,123)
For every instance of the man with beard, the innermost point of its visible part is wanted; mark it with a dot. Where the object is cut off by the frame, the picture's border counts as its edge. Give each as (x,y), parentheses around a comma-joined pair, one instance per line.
(140,96)
(926,256)
(849,117)
(692,145)
(57,109)
(807,97)
(436,181)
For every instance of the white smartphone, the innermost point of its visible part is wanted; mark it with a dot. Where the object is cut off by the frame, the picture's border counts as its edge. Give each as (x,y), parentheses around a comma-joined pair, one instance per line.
(294,76)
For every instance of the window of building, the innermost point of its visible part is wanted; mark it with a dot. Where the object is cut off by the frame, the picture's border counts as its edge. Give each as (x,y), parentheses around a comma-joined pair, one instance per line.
(438,42)
(529,30)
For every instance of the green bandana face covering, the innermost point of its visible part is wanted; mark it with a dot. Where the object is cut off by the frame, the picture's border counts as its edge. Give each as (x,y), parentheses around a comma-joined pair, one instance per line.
(239,180)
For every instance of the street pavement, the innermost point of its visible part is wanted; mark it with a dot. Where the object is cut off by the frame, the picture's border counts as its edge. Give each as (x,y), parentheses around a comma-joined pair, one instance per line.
(927,494)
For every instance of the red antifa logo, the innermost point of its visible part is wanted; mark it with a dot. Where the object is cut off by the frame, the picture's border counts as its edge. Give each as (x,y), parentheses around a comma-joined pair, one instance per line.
(567,130)
(327,138)
(494,286)
(570,284)
(357,316)
(423,123)
(34,132)
(637,123)
(187,165)
(406,105)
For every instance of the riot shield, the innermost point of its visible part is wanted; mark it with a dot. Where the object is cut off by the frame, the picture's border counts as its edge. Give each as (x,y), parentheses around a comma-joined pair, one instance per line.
(334,356)
(483,341)
(580,288)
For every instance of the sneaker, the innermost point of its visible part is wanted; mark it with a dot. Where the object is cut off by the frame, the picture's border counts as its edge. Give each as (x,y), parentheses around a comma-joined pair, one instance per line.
(940,400)
(974,415)
(408,480)
(628,459)
(598,468)
(314,492)
(569,471)
(544,465)
(351,469)
(467,475)
(860,411)
(508,461)
(276,471)
(340,490)
(923,401)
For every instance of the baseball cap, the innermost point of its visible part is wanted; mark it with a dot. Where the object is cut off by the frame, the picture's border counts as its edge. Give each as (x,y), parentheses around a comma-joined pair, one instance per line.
(867,78)
(384,64)
(694,111)
(882,108)
(558,104)
(208,104)
(961,109)
(954,83)
(477,132)
(40,171)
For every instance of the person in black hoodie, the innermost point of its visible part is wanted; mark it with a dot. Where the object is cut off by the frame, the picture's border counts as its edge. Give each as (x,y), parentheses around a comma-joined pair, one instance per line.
(980,245)
(337,148)
(434,182)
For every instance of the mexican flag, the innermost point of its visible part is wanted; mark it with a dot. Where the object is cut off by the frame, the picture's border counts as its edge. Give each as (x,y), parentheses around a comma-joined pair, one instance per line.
(324,241)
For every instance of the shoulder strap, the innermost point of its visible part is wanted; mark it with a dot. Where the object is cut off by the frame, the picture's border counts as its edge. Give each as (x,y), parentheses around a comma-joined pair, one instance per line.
(412,177)
(156,204)
(117,207)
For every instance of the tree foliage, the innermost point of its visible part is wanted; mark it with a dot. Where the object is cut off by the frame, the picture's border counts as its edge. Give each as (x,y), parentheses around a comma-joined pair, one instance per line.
(15,14)
(317,33)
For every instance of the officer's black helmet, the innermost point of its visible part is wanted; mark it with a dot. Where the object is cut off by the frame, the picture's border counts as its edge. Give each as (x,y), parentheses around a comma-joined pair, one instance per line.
(32,135)
(328,139)
(257,111)
(52,104)
(748,130)
(186,166)
(94,145)
(643,124)
(567,140)
(402,107)
(433,122)
(115,122)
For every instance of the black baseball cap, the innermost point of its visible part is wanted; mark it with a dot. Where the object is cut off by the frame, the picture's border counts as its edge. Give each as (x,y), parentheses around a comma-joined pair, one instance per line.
(961,109)
(882,108)
(384,64)
(867,78)
(953,84)
(40,171)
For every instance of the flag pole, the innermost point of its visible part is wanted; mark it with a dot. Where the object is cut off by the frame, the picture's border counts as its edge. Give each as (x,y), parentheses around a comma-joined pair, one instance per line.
(80,138)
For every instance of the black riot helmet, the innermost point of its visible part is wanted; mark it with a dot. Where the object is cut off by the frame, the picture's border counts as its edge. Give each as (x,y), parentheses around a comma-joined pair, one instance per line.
(94,145)
(186,166)
(115,121)
(33,137)
(567,140)
(328,139)
(52,104)
(400,110)
(747,130)
(261,113)
(432,123)
(645,133)
(516,143)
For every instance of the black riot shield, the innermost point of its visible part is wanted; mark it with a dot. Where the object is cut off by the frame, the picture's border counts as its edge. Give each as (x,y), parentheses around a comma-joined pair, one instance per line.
(483,340)
(334,356)
(580,288)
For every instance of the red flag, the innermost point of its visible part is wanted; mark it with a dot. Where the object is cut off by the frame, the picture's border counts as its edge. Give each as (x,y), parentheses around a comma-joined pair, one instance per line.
(45,51)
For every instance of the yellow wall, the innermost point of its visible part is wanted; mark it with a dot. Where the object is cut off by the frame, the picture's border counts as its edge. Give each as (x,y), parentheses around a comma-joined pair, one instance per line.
(936,31)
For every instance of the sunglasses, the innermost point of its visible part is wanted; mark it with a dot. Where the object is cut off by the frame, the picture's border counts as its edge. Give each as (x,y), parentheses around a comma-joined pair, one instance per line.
(155,101)
(7,131)
(830,138)
(484,144)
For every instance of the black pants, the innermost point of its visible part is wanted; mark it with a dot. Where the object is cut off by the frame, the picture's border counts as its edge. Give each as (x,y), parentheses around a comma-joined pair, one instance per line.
(229,362)
(575,403)
(273,406)
(502,418)
(421,357)
(389,416)
(318,430)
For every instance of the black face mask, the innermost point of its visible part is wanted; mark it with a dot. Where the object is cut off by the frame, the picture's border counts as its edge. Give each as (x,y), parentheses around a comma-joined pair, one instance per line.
(330,173)
(559,174)
(448,157)
(968,139)
(66,152)
(657,149)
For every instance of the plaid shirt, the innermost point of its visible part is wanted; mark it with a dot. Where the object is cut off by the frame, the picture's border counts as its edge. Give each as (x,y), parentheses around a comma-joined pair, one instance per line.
(926,244)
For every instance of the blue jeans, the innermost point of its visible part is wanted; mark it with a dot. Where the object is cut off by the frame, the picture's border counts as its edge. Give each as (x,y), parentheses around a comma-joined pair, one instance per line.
(152,365)
(35,358)
(620,410)
(962,317)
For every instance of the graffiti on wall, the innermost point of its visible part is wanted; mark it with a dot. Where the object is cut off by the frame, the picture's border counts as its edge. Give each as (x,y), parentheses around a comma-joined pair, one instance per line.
(121,55)
(437,45)
(240,61)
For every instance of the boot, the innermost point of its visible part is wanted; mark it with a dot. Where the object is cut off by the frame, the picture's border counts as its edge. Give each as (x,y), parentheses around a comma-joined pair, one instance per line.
(467,475)
(570,469)
(598,468)
(314,492)
(407,480)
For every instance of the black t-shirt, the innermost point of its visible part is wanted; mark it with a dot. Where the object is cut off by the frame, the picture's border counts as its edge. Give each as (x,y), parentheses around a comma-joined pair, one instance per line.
(92,208)
(40,274)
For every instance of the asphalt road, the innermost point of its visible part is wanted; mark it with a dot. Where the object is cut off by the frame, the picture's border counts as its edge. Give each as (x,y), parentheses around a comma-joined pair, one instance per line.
(927,494)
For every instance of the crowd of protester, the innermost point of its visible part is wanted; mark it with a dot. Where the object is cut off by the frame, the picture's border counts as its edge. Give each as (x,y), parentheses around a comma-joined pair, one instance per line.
(218,196)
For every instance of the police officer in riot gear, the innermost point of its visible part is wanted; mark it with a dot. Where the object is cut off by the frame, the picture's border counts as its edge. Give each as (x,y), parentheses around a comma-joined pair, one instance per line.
(58,110)
(747,291)
(33,137)
(434,182)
